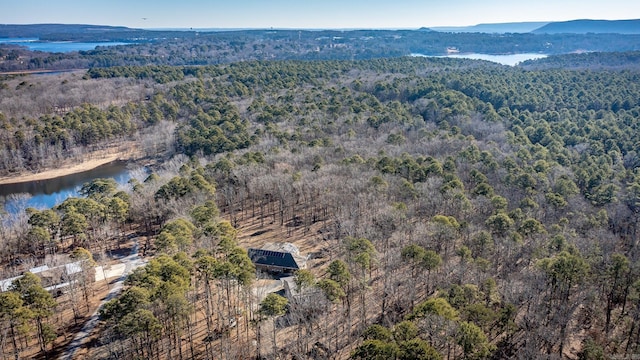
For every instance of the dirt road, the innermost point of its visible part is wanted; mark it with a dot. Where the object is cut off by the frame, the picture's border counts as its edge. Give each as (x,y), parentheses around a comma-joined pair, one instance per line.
(131,262)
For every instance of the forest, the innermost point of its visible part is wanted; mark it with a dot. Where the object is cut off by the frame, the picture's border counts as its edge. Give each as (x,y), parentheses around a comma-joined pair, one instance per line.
(200,48)
(448,208)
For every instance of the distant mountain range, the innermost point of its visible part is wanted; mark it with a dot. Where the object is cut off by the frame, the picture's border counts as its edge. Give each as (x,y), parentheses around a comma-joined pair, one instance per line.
(516,27)
(558,27)
(591,26)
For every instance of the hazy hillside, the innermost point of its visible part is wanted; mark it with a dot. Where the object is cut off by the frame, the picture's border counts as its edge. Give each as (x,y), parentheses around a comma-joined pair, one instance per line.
(545,27)
(591,26)
(42,30)
(515,27)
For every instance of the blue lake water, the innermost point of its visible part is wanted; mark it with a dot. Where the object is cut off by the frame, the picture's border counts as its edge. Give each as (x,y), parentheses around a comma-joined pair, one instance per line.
(56,46)
(49,193)
(508,59)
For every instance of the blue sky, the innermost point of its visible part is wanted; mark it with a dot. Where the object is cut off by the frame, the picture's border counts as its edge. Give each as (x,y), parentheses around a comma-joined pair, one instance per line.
(308,13)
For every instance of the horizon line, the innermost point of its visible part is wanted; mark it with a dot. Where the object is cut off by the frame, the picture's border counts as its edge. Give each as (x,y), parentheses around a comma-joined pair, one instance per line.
(275,28)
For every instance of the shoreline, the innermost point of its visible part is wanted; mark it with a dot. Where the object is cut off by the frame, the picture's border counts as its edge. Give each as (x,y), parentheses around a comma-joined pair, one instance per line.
(67,169)
(37,72)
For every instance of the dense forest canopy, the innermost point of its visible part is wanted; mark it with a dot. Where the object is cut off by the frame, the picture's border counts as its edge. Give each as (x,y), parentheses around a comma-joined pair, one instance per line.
(454,208)
(596,60)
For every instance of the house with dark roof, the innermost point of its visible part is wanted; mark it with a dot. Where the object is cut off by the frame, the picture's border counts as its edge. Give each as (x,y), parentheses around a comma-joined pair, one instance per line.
(274,261)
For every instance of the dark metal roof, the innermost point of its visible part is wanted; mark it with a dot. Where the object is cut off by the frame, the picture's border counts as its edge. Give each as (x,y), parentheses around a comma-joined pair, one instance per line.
(273,258)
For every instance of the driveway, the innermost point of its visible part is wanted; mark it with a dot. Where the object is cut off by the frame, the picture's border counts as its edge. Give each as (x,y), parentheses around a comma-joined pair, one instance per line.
(131,262)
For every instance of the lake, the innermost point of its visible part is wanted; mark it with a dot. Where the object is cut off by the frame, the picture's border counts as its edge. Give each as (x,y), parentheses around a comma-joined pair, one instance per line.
(507,59)
(35,44)
(51,192)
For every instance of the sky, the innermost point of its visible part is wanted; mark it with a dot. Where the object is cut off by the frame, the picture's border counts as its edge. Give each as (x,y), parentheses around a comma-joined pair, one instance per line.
(308,14)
